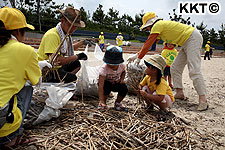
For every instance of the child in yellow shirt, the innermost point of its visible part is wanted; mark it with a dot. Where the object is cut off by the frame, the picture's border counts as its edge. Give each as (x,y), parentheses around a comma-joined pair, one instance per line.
(154,87)
(169,53)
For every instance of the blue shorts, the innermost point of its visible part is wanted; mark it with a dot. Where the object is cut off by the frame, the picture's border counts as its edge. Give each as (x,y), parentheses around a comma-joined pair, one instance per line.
(102,46)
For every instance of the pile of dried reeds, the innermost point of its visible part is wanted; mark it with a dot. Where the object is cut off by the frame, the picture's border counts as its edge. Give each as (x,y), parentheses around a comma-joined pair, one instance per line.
(87,128)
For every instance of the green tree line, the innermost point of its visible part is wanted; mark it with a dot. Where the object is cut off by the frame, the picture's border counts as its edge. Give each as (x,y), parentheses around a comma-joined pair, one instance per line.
(43,14)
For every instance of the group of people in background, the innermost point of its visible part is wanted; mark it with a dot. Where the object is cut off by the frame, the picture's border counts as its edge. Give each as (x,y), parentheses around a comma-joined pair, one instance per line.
(20,66)
(101,38)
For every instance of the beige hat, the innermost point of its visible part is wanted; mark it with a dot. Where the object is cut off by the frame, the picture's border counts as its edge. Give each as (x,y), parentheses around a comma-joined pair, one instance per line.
(148,19)
(70,14)
(157,61)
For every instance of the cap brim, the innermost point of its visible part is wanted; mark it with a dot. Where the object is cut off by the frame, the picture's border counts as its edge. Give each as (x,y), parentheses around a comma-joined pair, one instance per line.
(147,63)
(30,27)
(149,23)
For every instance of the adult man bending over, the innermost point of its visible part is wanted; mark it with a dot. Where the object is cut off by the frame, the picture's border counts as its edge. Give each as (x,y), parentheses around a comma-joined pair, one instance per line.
(66,63)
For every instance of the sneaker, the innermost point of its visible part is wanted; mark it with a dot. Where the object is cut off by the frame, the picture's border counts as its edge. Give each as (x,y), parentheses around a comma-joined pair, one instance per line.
(120,107)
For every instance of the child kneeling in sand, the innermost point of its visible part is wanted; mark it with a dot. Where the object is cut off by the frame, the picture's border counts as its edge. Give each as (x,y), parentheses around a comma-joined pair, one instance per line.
(111,78)
(154,87)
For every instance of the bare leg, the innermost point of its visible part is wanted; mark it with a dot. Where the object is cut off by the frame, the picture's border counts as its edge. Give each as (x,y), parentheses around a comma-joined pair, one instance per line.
(166,78)
(179,93)
(203,105)
(169,80)
(76,70)
(103,102)
(119,99)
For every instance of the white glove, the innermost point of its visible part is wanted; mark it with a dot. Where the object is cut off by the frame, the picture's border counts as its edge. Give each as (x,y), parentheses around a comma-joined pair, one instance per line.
(137,61)
(132,58)
(43,64)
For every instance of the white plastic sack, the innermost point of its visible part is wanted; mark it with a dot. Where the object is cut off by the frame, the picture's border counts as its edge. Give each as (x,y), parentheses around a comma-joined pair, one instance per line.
(47,114)
(98,53)
(87,82)
(58,97)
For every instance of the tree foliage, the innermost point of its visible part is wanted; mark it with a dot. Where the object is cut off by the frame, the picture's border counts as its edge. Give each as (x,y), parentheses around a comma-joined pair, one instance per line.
(44,14)
(98,15)
(179,18)
(222,35)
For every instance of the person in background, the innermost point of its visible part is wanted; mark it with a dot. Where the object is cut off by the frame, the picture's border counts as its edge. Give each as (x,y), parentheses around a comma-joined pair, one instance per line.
(66,63)
(190,54)
(207,50)
(18,64)
(101,41)
(111,78)
(119,39)
(169,53)
(154,87)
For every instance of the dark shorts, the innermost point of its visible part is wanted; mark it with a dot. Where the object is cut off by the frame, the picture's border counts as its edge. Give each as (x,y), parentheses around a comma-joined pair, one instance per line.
(65,73)
(117,87)
(167,71)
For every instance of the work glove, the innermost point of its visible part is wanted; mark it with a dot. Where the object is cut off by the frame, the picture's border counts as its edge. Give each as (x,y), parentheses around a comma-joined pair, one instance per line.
(137,61)
(88,42)
(82,56)
(132,58)
(43,64)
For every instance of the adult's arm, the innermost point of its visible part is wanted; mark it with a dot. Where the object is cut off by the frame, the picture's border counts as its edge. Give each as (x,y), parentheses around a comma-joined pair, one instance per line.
(61,60)
(148,43)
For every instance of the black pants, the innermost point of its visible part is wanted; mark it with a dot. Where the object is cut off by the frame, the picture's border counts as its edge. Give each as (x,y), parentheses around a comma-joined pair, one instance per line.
(210,53)
(64,73)
(206,55)
(117,87)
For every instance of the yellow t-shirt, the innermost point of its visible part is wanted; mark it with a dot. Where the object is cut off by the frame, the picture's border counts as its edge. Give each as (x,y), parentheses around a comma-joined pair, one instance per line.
(172,32)
(207,47)
(18,63)
(162,89)
(169,55)
(101,39)
(119,39)
(49,44)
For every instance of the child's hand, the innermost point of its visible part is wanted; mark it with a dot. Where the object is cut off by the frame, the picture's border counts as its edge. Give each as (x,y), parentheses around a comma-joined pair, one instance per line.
(137,91)
(143,93)
(122,82)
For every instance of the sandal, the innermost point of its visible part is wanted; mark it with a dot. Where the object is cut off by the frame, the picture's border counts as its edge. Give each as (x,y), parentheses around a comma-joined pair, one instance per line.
(102,107)
(20,140)
(120,107)
(203,106)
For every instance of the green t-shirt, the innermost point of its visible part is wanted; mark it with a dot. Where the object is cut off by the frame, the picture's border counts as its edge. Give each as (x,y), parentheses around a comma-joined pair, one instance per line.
(169,55)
